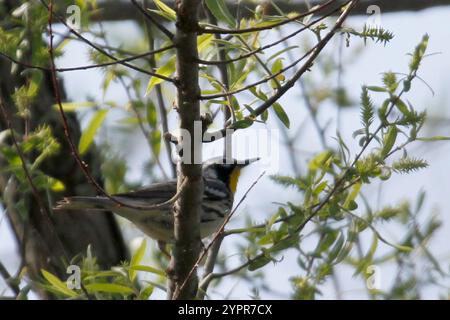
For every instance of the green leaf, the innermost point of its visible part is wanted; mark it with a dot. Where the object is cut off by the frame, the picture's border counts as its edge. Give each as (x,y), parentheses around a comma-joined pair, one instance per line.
(73,106)
(220,10)
(259,263)
(58,284)
(376,89)
(56,185)
(402,107)
(389,141)
(152,115)
(167,11)
(352,195)
(284,244)
(243,124)
(146,292)
(204,42)
(318,161)
(338,245)
(166,70)
(155,139)
(148,269)
(136,259)
(437,138)
(281,114)
(110,288)
(87,137)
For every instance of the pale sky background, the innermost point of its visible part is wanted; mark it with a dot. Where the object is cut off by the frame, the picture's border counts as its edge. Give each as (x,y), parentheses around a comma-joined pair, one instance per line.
(408,29)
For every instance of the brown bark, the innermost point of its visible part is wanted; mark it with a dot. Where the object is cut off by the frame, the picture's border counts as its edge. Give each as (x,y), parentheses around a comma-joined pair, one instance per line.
(187,207)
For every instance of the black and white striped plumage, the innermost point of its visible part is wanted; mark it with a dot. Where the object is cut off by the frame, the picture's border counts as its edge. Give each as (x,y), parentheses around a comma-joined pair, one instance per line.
(158,223)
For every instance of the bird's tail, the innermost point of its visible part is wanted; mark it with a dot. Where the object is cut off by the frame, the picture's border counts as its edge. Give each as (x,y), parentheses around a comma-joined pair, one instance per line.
(84,203)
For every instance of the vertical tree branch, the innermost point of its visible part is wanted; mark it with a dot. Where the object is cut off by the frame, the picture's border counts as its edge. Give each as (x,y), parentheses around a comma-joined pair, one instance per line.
(187,207)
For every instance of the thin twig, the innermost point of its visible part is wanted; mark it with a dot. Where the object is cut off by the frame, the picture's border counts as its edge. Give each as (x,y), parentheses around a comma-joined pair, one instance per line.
(100,65)
(10,281)
(163,29)
(97,48)
(67,133)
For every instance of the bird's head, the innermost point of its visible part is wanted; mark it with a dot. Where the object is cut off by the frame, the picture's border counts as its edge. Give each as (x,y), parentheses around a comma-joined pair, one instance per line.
(227,170)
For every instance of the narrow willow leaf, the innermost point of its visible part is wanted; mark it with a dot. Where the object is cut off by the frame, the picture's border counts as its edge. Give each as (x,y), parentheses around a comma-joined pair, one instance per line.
(148,269)
(152,115)
(87,137)
(204,42)
(155,139)
(242,124)
(376,89)
(165,70)
(220,10)
(136,259)
(389,141)
(146,292)
(109,288)
(402,107)
(281,114)
(168,11)
(336,248)
(259,263)
(73,106)
(437,138)
(352,195)
(58,284)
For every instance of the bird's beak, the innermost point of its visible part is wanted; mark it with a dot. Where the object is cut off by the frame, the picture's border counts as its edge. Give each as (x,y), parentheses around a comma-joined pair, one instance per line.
(245,163)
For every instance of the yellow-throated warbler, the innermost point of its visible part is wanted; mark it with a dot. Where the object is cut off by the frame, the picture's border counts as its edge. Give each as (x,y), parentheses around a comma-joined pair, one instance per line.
(220,182)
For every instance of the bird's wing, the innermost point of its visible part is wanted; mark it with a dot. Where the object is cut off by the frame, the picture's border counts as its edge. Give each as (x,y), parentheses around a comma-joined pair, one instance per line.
(155,193)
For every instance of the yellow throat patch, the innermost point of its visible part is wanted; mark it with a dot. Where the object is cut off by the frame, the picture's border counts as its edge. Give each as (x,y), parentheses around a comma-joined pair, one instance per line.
(234,177)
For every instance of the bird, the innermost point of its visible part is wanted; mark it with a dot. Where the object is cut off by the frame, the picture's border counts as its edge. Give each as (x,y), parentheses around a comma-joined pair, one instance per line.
(220,176)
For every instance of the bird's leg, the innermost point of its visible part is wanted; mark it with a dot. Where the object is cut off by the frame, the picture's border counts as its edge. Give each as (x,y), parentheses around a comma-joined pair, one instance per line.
(162,247)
